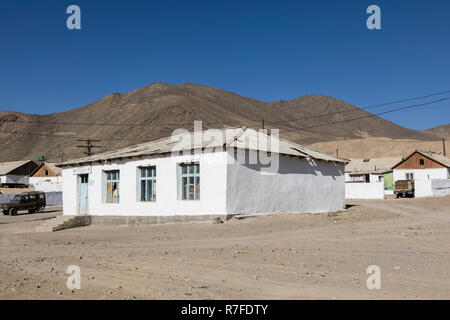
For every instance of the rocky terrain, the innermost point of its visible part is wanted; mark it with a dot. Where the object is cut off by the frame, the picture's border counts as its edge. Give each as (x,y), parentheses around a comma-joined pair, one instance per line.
(156,110)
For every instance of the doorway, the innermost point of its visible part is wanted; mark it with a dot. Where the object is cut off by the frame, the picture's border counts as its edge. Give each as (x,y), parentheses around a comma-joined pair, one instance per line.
(83,208)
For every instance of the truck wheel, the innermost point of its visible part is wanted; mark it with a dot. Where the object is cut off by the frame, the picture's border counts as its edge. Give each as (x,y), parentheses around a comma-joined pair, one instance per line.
(40,209)
(13,212)
(5,212)
(32,211)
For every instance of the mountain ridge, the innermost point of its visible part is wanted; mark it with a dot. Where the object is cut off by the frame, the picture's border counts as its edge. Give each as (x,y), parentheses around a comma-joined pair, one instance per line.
(155,110)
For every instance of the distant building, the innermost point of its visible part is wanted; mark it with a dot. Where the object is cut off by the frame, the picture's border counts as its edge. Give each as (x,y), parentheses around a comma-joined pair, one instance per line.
(369,178)
(199,174)
(421,165)
(46,178)
(430,172)
(16,174)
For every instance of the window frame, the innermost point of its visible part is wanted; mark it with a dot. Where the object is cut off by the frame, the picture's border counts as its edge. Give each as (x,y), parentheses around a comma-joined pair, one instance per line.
(188,175)
(147,179)
(409,176)
(107,181)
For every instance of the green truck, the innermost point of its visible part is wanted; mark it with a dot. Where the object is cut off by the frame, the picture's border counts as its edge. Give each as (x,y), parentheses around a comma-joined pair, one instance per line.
(29,201)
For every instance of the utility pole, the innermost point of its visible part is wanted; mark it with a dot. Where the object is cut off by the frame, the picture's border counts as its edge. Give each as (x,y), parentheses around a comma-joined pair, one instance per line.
(88,145)
(337,152)
(443,146)
(262,123)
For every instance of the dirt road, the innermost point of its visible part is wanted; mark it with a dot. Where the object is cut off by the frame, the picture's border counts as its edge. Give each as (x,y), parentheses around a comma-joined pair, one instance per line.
(281,256)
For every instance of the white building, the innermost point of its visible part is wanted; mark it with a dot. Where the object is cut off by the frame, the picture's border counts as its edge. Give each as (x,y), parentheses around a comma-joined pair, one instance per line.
(47,178)
(214,172)
(369,178)
(16,173)
(430,172)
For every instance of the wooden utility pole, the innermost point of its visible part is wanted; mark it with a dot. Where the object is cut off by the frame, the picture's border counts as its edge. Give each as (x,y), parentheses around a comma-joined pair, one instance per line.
(88,145)
(262,123)
(443,146)
(337,152)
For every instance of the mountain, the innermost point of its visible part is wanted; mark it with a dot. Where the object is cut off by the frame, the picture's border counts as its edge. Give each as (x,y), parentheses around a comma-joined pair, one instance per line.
(154,111)
(442,131)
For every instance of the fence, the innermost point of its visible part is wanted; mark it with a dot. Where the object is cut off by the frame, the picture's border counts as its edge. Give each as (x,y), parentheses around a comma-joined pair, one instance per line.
(372,190)
(432,188)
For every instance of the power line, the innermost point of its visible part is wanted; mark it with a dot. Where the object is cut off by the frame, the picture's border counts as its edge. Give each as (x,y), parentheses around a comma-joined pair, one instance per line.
(237,122)
(289,130)
(372,115)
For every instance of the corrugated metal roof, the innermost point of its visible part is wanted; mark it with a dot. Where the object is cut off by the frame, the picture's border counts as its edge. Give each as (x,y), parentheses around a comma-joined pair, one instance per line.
(374,165)
(7,167)
(241,138)
(437,157)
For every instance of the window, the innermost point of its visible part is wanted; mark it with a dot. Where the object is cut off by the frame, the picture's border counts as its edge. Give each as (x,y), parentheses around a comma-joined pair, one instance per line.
(84,178)
(147,184)
(190,181)
(46,172)
(422,162)
(112,186)
(409,176)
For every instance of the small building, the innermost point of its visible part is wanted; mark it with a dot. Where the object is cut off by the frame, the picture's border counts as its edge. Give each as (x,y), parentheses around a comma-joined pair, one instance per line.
(430,172)
(421,165)
(203,174)
(16,174)
(369,178)
(46,178)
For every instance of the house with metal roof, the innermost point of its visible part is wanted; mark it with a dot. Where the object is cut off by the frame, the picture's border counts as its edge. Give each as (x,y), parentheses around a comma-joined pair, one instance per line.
(430,172)
(46,178)
(369,178)
(16,173)
(201,174)
(422,165)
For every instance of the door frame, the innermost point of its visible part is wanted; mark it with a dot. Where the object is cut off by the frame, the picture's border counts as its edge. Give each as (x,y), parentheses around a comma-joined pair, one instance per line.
(79,183)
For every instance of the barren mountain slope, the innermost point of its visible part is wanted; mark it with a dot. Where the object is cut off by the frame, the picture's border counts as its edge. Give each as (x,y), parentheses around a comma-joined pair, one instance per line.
(156,110)
(443,131)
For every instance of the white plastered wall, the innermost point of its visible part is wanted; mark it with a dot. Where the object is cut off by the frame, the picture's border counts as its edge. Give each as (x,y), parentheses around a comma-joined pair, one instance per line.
(212,187)
(300,186)
(422,174)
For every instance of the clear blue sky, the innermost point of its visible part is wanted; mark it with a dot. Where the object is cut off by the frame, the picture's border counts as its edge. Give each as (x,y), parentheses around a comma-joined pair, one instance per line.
(268,50)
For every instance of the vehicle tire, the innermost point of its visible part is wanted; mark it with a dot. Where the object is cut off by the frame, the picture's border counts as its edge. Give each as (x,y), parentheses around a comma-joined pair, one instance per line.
(32,211)
(40,209)
(13,212)
(5,212)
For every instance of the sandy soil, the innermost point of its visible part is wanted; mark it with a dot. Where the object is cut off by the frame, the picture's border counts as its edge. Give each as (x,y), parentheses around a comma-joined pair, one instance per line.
(282,256)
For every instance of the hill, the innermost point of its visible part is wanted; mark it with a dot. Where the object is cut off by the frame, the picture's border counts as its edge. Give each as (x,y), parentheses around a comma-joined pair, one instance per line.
(154,111)
(442,131)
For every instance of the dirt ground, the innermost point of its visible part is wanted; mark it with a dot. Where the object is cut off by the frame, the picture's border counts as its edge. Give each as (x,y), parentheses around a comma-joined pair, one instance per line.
(280,256)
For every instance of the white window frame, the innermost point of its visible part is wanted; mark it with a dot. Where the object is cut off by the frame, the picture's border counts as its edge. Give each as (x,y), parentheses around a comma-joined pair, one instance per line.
(188,175)
(116,180)
(151,178)
(409,176)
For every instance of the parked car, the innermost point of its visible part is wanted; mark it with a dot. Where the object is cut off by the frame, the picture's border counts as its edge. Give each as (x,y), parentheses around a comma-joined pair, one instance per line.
(404,188)
(30,201)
